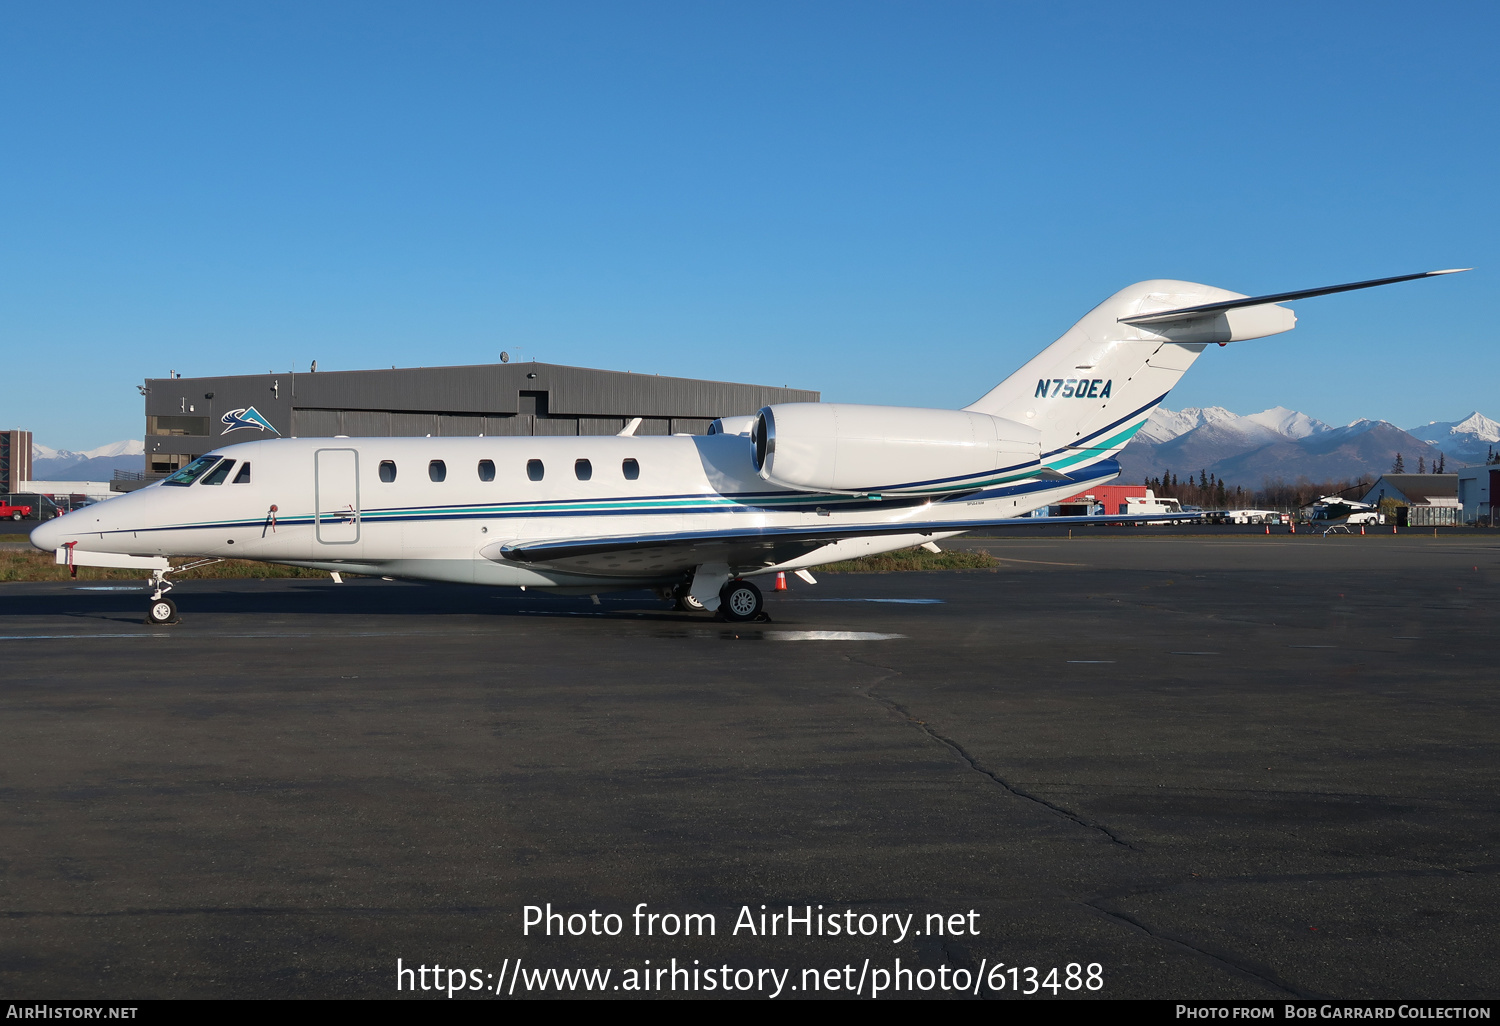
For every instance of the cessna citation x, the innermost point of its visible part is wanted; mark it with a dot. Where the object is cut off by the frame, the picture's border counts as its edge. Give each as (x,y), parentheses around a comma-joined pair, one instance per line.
(694,517)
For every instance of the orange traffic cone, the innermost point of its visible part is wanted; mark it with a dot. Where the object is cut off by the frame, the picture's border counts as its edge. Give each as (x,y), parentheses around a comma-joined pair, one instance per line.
(781,582)
(1361,528)
(1268,528)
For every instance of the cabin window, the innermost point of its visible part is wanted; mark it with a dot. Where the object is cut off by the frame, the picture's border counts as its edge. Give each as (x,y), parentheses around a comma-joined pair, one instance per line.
(243,477)
(219,473)
(387,471)
(194,470)
(437,470)
(486,470)
(632,470)
(535,470)
(583,469)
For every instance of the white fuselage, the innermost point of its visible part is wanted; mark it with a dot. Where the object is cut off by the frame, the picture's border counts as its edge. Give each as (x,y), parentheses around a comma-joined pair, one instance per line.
(334,508)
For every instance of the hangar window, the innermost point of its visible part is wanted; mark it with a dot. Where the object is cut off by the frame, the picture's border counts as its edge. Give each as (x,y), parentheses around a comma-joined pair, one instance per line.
(437,470)
(219,473)
(387,471)
(243,477)
(194,470)
(632,470)
(486,470)
(583,469)
(535,470)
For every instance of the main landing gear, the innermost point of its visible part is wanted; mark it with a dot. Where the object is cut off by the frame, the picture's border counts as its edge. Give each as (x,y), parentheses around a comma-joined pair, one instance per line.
(740,601)
(163,610)
(684,601)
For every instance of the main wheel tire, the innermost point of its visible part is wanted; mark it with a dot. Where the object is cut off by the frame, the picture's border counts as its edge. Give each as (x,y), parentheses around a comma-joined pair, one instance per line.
(740,601)
(685,601)
(161,611)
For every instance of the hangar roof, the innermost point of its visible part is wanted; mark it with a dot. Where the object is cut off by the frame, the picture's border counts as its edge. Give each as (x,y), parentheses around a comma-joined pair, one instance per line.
(1428,489)
(492,388)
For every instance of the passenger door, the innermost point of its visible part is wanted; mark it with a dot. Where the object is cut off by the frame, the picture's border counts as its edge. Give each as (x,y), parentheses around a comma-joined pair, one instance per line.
(337,487)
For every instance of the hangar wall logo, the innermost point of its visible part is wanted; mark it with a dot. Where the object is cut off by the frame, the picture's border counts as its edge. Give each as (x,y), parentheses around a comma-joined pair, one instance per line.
(234,420)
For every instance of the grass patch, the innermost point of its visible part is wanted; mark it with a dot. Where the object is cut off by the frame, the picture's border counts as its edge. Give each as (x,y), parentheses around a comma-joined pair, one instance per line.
(15,537)
(42,566)
(912,559)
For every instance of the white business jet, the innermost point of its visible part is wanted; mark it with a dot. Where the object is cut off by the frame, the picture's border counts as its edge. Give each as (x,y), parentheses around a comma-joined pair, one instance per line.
(694,517)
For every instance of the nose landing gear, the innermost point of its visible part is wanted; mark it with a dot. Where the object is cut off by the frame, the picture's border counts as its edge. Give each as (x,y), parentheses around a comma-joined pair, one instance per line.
(163,610)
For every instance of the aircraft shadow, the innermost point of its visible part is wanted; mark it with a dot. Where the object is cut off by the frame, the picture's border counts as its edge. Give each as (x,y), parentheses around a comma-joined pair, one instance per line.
(318,599)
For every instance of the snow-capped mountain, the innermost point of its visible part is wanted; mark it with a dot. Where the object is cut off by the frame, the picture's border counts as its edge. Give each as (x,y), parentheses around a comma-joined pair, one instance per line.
(1275,443)
(1288,422)
(1466,441)
(1165,425)
(48,464)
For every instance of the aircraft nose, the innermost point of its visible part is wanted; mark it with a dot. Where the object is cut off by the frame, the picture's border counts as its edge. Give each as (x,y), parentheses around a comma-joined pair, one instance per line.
(48,535)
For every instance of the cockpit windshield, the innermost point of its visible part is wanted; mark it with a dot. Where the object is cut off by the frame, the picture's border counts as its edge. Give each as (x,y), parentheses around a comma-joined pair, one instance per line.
(218,474)
(194,470)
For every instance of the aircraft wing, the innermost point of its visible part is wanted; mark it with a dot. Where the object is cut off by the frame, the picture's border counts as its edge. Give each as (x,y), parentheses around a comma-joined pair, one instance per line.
(745,549)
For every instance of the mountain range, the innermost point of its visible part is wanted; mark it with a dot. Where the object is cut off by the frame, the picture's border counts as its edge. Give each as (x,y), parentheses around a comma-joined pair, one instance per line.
(48,464)
(1284,444)
(1466,440)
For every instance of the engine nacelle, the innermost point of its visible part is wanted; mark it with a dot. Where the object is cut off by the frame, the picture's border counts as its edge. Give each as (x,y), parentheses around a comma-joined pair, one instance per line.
(890,450)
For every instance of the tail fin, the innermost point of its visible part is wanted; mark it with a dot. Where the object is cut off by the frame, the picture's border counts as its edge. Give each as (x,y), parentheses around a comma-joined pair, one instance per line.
(1092,390)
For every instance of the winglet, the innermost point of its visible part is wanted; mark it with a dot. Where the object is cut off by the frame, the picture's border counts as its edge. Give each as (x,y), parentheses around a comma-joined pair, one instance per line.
(629,429)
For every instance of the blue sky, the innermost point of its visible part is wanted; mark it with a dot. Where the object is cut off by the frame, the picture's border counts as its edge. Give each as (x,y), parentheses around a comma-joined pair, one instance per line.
(890,202)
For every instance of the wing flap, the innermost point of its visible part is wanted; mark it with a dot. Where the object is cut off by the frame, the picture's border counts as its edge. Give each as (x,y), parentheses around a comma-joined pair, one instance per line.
(744,549)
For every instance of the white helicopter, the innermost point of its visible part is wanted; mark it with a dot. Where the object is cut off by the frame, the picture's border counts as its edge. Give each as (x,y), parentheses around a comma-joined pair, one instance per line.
(695,517)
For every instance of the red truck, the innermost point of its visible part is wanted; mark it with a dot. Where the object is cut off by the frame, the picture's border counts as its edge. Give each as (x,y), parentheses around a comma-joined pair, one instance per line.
(14,512)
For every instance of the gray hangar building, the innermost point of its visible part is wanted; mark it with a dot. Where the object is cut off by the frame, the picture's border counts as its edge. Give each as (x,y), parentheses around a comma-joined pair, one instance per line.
(186,417)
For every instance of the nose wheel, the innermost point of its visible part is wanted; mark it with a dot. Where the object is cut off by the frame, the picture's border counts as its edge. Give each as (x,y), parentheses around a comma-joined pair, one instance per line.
(161,611)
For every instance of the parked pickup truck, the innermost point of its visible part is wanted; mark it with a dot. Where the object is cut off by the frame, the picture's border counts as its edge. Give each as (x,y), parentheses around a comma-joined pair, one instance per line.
(14,512)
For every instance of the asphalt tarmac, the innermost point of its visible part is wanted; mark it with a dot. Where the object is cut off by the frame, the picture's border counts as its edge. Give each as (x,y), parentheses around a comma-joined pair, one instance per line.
(1213,766)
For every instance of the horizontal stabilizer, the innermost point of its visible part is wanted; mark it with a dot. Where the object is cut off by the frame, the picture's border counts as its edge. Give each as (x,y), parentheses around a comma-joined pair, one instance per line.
(1207,309)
